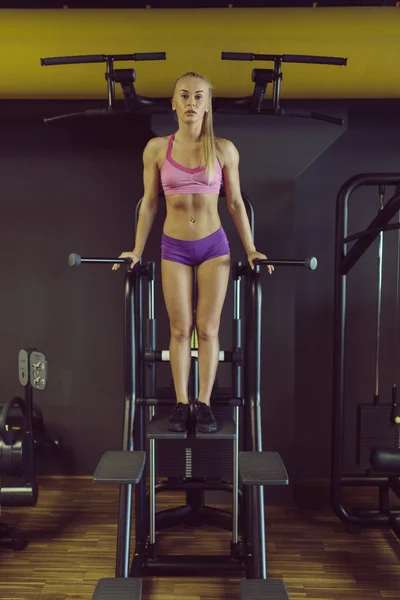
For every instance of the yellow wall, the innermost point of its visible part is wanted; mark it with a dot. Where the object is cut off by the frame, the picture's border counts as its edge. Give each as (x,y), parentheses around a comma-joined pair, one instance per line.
(193,40)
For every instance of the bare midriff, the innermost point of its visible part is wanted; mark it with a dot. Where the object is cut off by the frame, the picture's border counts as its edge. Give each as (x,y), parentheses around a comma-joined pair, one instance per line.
(191,216)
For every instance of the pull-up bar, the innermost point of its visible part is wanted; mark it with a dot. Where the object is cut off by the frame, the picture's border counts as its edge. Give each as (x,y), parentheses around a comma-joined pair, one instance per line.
(262,77)
(136,105)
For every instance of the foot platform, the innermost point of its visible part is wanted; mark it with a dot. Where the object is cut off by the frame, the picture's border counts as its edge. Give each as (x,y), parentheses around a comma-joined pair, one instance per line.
(157,429)
(262,468)
(263,589)
(226,430)
(119,588)
(120,467)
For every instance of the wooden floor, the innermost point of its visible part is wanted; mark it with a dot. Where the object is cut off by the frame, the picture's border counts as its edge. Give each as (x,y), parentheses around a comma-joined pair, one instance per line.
(72,545)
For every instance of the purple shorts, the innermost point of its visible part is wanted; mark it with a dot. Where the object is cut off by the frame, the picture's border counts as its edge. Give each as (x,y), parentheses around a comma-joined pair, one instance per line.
(194,252)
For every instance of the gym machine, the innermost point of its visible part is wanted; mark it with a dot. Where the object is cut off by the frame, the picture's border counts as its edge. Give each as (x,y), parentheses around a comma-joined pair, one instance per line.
(136,105)
(19,434)
(378,434)
(387,460)
(243,468)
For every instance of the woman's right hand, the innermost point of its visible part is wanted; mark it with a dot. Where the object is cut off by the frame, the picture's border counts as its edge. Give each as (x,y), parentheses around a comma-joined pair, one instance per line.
(134,256)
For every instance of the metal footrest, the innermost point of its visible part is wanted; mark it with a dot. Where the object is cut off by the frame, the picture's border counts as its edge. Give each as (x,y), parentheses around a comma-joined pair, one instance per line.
(119,588)
(262,468)
(120,467)
(263,589)
(226,430)
(157,429)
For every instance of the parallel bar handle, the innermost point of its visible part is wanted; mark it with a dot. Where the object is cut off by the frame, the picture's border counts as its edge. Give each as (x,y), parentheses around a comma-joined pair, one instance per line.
(98,58)
(149,56)
(72,60)
(293,58)
(75,260)
(310,263)
(237,56)
(315,60)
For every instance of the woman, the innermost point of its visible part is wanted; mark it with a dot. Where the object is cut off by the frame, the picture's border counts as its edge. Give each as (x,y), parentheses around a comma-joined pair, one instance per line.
(191,164)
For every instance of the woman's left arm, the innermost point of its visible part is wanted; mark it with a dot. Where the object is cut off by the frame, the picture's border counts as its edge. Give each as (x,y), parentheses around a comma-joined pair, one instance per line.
(235,202)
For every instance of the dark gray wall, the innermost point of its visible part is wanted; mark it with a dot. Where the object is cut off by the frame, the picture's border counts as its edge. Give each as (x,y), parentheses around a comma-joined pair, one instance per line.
(74,188)
(68,188)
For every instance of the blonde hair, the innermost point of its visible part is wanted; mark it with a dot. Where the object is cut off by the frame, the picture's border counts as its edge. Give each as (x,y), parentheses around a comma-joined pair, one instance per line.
(208,146)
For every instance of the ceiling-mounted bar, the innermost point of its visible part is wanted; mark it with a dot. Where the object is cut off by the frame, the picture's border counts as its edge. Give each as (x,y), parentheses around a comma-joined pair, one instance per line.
(136,105)
(261,78)
(293,58)
(126,77)
(98,58)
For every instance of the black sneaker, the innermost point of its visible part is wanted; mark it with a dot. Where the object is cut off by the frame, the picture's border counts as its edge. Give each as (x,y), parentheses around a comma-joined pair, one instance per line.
(206,422)
(178,419)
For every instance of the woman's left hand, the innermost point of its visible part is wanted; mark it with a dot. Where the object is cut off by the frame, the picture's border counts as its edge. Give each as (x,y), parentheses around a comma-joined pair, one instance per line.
(253,255)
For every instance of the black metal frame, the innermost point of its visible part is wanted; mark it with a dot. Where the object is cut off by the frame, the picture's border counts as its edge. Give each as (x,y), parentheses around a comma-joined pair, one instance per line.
(345,259)
(145,559)
(139,105)
(248,555)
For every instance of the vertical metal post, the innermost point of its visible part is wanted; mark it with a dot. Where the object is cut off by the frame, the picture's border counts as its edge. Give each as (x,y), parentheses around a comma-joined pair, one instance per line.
(110,83)
(125,499)
(151,341)
(236,393)
(257,492)
(276,86)
(339,311)
(379,302)
(141,504)
(247,441)
(396,327)
(194,361)
(195,379)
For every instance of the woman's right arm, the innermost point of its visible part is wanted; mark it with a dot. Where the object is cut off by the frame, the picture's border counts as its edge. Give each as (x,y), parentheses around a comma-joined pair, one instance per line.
(149,205)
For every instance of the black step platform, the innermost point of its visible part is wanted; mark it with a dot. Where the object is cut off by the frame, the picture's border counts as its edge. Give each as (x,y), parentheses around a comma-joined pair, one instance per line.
(117,466)
(262,468)
(119,588)
(157,430)
(226,430)
(263,589)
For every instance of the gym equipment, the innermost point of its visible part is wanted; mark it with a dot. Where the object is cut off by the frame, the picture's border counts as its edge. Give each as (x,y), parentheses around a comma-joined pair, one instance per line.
(378,423)
(125,77)
(17,452)
(136,105)
(388,461)
(262,77)
(231,459)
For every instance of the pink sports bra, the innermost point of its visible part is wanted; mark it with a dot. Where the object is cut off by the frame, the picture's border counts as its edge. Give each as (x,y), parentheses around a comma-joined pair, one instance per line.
(177,179)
